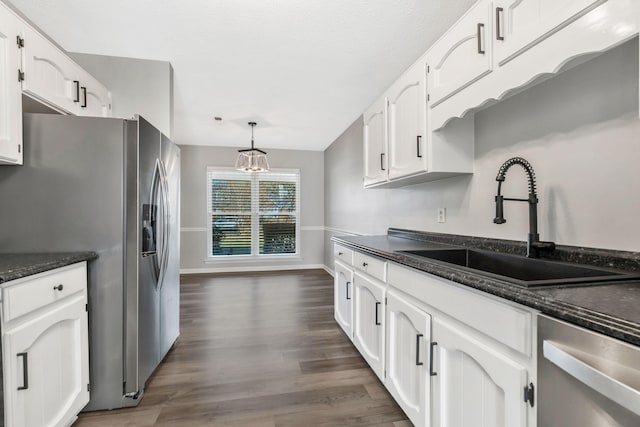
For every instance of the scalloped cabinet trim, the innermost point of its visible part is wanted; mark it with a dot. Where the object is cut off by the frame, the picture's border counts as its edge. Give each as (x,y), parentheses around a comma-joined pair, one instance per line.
(530,39)
(497,48)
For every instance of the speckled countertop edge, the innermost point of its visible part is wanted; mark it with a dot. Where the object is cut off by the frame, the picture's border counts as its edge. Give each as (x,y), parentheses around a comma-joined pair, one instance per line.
(18,265)
(605,323)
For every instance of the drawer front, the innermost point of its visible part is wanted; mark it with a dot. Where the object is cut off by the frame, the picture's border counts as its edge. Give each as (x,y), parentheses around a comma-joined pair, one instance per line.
(34,292)
(343,254)
(372,266)
(507,324)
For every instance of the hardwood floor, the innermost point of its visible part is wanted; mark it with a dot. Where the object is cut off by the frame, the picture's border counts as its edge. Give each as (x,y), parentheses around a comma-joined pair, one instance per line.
(259,350)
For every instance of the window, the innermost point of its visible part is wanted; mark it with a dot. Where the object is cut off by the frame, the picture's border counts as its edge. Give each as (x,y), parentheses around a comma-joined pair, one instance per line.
(253,214)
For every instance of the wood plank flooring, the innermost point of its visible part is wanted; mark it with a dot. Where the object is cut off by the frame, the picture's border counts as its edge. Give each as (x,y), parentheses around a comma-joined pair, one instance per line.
(259,350)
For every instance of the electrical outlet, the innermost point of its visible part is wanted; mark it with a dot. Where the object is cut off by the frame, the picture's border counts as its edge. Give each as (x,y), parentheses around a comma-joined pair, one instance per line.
(442,214)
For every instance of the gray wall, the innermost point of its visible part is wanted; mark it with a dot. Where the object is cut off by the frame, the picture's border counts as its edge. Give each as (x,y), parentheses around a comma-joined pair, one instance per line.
(138,86)
(580,131)
(195,160)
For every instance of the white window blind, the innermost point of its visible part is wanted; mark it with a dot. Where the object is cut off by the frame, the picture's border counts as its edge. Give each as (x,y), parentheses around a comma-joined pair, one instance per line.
(253,214)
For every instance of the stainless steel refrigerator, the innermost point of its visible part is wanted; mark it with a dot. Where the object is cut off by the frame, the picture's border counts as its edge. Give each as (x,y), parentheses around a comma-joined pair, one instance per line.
(110,186)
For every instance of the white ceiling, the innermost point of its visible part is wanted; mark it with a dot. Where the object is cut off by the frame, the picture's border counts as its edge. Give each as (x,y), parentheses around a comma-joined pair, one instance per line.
(303,69)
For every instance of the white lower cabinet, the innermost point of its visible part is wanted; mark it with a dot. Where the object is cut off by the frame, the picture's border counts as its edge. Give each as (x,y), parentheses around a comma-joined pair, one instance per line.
(474,385)
(46,353)
(343,298)
(408,344)
(369,321)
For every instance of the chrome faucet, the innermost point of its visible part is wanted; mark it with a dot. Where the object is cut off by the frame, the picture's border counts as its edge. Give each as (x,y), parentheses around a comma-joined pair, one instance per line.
(534,245)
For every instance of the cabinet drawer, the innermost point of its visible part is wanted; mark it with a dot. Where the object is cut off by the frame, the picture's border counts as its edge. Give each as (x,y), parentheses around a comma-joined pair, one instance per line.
(507,324)
(372,266)
(343,254)
(31,293)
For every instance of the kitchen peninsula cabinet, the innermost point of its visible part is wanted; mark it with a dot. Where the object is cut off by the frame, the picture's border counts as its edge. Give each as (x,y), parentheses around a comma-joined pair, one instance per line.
(45,347)
(11,99)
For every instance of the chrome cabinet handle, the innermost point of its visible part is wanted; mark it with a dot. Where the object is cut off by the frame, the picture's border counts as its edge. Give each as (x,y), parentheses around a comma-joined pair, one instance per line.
(377,320)
(418,140)
(621,393)
(347,289)
(339,253)
(364,264)
(499,12)
(25,371)
(382,162)
(480,30)
(418,362)
(431,373)
(58,288)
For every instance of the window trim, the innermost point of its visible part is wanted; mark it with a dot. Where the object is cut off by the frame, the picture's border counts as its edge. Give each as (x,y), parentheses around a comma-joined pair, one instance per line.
(255,219)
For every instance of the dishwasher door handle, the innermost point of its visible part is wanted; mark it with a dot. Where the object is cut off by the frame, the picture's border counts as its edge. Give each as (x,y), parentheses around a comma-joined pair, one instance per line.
(621,393)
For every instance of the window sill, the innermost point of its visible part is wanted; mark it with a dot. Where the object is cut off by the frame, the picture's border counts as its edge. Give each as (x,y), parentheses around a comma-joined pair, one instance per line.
(252,259)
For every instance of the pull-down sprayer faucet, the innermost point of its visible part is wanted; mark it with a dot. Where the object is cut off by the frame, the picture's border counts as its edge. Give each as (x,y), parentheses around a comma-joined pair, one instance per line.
(534,245)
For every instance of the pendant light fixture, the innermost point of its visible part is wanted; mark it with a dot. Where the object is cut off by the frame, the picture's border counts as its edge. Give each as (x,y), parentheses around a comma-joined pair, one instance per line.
(252,159)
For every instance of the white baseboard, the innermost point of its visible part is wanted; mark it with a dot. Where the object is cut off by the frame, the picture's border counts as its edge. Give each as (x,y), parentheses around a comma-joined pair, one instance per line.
(328,270)
(240,269)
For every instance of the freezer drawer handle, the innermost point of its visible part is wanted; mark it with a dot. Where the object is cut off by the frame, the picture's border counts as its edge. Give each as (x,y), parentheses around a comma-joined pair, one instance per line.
(621,393)
(25,371)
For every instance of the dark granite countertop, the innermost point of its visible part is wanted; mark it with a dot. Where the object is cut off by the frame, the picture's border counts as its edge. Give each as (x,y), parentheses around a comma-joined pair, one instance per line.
(14,266)
(612,309)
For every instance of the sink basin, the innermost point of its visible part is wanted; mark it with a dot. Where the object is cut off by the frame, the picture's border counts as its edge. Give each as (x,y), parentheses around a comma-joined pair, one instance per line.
(522,271)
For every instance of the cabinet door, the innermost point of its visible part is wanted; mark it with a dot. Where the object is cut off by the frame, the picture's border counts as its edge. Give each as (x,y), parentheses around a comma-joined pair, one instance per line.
(375,143)
(368,322)
(343,298)
(407,123)
(462,55)
(408,340)
(47,367)
(49,74)
(475,385)
(95,99)
(520,24)
(10,90)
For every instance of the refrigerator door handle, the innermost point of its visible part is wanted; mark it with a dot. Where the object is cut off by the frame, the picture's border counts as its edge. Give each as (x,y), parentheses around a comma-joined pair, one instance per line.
(166,229)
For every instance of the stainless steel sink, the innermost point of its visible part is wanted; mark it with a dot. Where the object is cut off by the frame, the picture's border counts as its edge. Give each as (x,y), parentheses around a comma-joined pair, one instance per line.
(522,271)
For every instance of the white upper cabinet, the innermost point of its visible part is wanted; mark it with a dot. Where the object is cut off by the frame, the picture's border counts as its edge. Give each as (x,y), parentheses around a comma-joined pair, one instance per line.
(49,74)
(520,24)
(475,385)
(369,324)
(462,55)
(94,98)
(407,123)
(343,298)
(375,143)
(408,348)
(10,90)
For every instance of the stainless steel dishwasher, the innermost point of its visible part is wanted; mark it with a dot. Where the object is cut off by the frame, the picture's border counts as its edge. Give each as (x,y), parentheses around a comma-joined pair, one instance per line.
(585,379)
